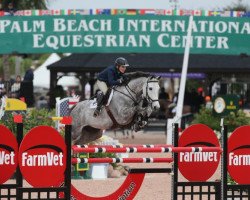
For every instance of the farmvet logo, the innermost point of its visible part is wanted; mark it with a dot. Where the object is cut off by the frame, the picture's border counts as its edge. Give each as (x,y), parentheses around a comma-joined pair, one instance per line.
(8,154)
(199,156)
(198,165)
(238,156)
(49,158)
(42,157)
(7,158)
(239,160)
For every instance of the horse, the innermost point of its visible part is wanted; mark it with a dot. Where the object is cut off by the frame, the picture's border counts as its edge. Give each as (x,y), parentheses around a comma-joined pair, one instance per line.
(127,101)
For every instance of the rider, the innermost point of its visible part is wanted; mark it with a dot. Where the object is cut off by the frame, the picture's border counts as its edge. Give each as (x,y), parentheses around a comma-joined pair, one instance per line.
(111,76)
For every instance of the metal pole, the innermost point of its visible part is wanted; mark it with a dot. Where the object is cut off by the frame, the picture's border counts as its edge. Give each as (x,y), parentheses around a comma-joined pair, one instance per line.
(19,177)
(67,179)
(224,133)
(179,107)
(175,165)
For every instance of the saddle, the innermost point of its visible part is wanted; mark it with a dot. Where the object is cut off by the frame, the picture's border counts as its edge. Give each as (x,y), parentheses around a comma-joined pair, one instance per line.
(106,100)
(107,97)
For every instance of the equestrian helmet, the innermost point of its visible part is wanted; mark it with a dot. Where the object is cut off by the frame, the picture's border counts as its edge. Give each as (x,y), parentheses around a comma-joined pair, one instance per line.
(121,61)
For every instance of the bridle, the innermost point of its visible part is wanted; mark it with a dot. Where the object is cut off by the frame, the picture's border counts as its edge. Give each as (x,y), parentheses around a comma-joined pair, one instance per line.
(146,96)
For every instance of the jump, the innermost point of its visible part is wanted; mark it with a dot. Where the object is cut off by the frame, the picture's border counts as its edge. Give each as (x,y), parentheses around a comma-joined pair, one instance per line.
(136,97)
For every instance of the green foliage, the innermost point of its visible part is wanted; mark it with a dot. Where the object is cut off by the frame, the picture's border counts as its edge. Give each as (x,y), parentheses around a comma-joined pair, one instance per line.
(238,5)
(102,155)
(37,118)
(12,65)
(7,121)
(26,4)
(205,116)
(25,64)
(192,84)
(31,119)
(233,120)
(42,58)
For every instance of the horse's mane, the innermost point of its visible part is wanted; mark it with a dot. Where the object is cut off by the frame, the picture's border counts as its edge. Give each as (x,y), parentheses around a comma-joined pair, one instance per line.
(138,74)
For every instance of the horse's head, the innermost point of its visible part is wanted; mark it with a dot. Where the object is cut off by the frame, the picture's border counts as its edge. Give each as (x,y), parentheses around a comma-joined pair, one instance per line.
(151,91)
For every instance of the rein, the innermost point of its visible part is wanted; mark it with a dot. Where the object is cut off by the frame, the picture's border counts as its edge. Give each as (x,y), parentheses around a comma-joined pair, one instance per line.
(130,94)
(148,99)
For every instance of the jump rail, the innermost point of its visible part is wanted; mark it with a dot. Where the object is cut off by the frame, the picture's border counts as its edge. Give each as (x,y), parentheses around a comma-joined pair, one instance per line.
(121,160)
(123,146)
(104,149)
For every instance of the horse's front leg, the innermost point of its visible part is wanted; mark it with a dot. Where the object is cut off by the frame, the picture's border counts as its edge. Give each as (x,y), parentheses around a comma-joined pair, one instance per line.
(143,116)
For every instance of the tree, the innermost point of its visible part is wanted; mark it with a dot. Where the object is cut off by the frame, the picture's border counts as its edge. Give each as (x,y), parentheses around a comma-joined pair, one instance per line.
(20,5)
(26,4)
(238,6)
(6,67)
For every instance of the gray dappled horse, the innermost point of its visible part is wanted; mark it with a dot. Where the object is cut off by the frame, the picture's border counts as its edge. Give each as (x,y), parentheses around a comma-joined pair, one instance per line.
(126,103)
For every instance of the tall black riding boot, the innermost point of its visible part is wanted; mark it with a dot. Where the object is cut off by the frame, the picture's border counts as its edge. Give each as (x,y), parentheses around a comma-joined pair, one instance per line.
(100,100)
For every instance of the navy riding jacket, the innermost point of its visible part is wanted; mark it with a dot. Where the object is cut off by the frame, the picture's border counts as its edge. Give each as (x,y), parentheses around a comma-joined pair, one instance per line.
(110,75)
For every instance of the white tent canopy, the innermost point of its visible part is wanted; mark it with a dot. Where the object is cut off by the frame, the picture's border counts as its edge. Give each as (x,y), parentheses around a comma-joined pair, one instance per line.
(42,75)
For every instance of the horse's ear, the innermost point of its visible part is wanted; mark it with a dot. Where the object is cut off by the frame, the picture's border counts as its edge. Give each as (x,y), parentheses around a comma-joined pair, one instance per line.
(158,77)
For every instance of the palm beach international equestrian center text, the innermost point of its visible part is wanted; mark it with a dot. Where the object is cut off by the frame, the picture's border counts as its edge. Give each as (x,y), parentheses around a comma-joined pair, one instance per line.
(140,33)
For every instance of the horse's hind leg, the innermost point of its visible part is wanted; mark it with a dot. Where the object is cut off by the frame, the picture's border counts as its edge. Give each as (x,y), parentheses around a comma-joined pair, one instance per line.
(88,135)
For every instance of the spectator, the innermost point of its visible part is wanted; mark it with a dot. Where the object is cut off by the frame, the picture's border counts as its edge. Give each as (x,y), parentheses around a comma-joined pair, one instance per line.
(15,88)
(42,103)
(163,95)
(10,9)
(57,92)
(164,102)
(1,10)
(200,98)
(27,90)
(209,103)
(172,106)
(2,87)
(193,100)
(29,74)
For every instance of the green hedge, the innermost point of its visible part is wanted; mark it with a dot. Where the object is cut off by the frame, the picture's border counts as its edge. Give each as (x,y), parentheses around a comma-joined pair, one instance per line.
(233,120)
(31,119)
